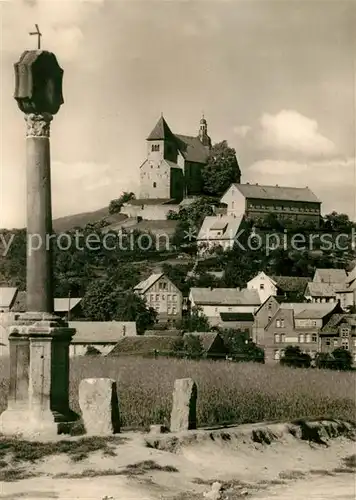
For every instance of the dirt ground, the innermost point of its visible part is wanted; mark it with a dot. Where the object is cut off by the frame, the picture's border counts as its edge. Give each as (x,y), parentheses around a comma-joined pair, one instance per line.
(288,468)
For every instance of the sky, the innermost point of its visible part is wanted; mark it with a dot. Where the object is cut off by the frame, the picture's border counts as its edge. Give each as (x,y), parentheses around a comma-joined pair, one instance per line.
(275,78)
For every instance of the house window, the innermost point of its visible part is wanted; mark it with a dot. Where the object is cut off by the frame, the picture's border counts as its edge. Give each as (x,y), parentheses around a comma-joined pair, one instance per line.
(163,297)
(233,205)
(174,298)
(262,286)
(283,337)
(157,297)
(314,338)
(154,184)
(277,354)
(269,306)
(277,338)
(345,344)
(280,323)
(216,309)
(229,309)
(301,339)
(155,147)
(328,342)
(152,297)
(168,297)
(336,342)
(354,342)
(174,310)
(313,323)
(308,337)
(344,332)
(168,310)
(269,318)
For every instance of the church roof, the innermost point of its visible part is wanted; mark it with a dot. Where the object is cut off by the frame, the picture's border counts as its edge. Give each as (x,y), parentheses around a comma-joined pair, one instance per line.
(161,131)
(192,149)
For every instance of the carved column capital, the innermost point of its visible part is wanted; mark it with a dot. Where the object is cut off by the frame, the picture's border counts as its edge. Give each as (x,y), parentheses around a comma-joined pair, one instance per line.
(38,125)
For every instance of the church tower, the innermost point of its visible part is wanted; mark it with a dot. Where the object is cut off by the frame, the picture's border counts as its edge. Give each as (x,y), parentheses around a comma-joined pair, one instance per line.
(203,133)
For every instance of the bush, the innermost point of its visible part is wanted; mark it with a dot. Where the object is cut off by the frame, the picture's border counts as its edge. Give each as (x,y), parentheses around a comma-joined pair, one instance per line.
(295,358)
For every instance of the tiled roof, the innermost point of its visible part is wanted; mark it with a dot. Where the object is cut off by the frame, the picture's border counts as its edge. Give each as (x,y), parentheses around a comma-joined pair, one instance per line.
(213,223)
(331,275)
(291,283)
(165,333)
(192,149)
(63,304)
(311,314)
(206,338)
(298,308)
(160,131)
(144,285)
(143,345)
(231,316)
(315,289)
(225,296)
(336,320)
(91,332)
(280,193)
(7,296)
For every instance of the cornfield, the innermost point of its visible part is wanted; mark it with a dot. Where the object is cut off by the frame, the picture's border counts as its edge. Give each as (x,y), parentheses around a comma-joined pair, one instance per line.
(227,392)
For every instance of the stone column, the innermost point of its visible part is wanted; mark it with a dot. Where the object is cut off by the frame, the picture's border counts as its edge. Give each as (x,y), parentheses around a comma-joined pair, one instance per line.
(38,401)
(39,214)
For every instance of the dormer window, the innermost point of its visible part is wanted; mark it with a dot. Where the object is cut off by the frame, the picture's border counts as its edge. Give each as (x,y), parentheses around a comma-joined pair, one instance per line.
(154,184)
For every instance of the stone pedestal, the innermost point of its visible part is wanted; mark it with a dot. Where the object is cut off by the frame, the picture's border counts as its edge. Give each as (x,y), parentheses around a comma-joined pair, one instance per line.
(38,401)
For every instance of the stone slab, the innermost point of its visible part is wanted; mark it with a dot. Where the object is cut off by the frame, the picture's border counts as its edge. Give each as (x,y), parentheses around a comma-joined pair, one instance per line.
(99,406)
(184,408)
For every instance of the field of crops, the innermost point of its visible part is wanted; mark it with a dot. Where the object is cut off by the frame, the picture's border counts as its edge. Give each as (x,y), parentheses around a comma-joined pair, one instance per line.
(227,392)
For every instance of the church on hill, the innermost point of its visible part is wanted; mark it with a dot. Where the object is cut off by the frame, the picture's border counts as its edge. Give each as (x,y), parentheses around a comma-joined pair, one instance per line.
(172,169)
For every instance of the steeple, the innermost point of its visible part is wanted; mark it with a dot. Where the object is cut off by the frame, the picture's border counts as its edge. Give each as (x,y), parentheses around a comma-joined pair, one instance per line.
(203,132)
(161,131)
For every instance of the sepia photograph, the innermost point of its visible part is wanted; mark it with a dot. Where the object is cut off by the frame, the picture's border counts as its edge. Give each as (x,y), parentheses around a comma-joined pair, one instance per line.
(178,249)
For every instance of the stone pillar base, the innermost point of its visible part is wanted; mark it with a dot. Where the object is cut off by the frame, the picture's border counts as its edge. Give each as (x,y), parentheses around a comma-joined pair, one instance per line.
(38,403)
(27,423)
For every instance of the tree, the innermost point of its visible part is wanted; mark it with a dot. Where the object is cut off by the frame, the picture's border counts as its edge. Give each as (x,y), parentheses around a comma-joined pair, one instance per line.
(294,357)
(342,359)
(103,301)
(196,321)
(193,347)
(221,170)
(240,346)
(116,205)
(324,360)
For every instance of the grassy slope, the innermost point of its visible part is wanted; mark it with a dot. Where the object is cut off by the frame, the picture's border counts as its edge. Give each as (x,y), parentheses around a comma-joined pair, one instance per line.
(227,392)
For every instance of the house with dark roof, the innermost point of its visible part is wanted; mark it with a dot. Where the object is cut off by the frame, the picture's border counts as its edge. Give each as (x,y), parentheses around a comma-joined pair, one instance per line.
(162,295)
(291,287)
(239,321)
(212,344)
(145,346)
(256,202)
(339,332)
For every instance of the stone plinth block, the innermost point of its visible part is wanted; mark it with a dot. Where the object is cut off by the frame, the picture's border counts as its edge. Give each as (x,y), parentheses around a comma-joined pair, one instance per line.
(99,406)
(38,402)
(184,409)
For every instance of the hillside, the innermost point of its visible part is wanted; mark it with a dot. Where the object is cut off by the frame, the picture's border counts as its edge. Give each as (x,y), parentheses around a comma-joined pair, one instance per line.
(82,219)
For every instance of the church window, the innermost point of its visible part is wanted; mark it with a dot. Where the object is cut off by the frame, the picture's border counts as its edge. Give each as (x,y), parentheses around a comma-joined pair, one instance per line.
(155,147)
(154,184)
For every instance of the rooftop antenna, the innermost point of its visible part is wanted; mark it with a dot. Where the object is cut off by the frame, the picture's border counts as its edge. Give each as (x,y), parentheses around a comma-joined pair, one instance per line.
(38,34)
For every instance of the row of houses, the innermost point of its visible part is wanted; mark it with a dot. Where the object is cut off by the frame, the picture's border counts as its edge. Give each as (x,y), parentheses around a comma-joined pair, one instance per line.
(264,311)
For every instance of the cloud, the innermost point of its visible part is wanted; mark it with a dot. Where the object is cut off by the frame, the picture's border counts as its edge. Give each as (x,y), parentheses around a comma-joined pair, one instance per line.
(289,131)
(333,181)
(242,130)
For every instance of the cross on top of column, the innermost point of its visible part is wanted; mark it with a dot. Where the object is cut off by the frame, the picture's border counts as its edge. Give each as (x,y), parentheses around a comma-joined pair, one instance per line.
(39,34)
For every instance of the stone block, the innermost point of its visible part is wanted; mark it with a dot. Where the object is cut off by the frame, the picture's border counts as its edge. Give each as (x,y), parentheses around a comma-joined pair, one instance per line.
(184,408)
(99,406)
